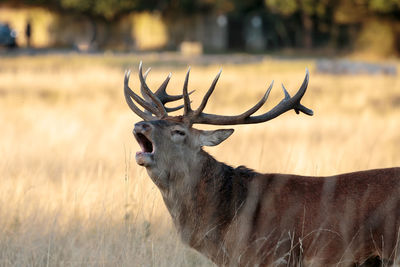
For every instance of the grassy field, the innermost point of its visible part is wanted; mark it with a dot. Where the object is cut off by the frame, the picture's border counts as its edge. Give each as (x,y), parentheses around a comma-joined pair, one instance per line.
(71,193)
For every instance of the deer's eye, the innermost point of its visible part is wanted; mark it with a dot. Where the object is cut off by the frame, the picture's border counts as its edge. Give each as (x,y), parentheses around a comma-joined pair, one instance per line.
(178,132)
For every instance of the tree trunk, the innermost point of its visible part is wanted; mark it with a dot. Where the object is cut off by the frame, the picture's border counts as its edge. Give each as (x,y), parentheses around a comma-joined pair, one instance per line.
(93,40)
(308,31)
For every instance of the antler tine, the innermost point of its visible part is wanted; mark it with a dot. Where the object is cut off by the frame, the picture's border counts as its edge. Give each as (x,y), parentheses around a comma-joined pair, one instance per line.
(162,94)
(299,107)
(300,94)
(173,109)
(137,98)
(142,90)
(164,97)
(161,110)
(186,99)
(286,104)
(258,105)
(129,93)
(208,94)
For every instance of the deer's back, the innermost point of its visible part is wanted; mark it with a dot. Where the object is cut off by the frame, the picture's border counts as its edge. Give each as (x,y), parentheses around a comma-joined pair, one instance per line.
(332,218)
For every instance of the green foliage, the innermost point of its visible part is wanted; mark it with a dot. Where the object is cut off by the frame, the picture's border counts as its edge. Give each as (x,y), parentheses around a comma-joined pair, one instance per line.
(371,36)
(288,23)
(78,5)
(107,9)
(289,7)
(103,9)
(111,9)
(384,6)
(285,7)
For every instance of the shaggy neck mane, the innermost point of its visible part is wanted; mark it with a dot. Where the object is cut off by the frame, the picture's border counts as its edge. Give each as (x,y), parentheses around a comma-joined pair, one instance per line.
(201,214)
(228,187)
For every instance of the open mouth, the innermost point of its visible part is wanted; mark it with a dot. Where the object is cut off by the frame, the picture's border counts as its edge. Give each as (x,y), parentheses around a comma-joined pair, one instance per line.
(145,144)
(144,157)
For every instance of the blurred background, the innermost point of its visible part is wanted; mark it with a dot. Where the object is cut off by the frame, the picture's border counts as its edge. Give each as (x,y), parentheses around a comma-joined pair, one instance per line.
(317,26)
(71,193)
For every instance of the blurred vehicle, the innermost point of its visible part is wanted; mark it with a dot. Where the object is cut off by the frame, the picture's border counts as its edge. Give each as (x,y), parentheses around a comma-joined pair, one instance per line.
(7,36)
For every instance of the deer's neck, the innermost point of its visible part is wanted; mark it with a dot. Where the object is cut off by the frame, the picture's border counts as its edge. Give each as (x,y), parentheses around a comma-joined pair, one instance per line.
(205,200)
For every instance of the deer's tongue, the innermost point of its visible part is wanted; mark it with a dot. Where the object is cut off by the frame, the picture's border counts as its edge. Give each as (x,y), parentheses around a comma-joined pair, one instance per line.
(145,156)
(145,144)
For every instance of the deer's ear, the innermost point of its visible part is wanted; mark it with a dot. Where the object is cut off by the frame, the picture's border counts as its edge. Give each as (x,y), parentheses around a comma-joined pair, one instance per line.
(213,138)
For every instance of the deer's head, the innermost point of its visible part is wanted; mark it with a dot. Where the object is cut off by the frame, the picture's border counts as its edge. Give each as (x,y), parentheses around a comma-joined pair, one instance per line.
(169,144)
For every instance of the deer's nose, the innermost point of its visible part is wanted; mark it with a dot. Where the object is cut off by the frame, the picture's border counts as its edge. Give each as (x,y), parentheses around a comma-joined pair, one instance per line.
(141,127)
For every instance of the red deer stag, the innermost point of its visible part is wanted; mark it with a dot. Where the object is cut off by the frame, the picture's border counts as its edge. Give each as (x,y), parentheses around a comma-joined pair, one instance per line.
(238,217)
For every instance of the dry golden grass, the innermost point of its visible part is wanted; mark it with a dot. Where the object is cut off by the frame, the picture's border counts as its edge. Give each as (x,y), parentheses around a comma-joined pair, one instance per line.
(71,193)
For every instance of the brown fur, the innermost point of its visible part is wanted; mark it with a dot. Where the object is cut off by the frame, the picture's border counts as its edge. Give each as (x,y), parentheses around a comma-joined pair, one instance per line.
(238,217)
(293,219)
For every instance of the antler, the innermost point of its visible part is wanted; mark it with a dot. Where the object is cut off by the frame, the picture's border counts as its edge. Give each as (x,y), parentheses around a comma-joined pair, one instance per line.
(154,103)
(288,103)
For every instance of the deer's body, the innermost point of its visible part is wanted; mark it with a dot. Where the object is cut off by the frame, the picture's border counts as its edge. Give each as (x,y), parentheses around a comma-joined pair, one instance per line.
(238,217)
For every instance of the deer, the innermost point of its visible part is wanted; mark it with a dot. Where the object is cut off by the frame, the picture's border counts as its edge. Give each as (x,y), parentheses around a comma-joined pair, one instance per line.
(238,217)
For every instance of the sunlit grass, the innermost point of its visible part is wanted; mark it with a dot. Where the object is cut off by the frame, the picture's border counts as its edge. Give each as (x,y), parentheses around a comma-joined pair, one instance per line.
(71,193)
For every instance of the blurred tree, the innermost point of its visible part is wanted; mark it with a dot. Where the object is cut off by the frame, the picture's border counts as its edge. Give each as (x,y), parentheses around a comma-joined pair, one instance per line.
(101,9)
(384,6)
(110,10)
(298,23)
(97,11)
(309,11)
